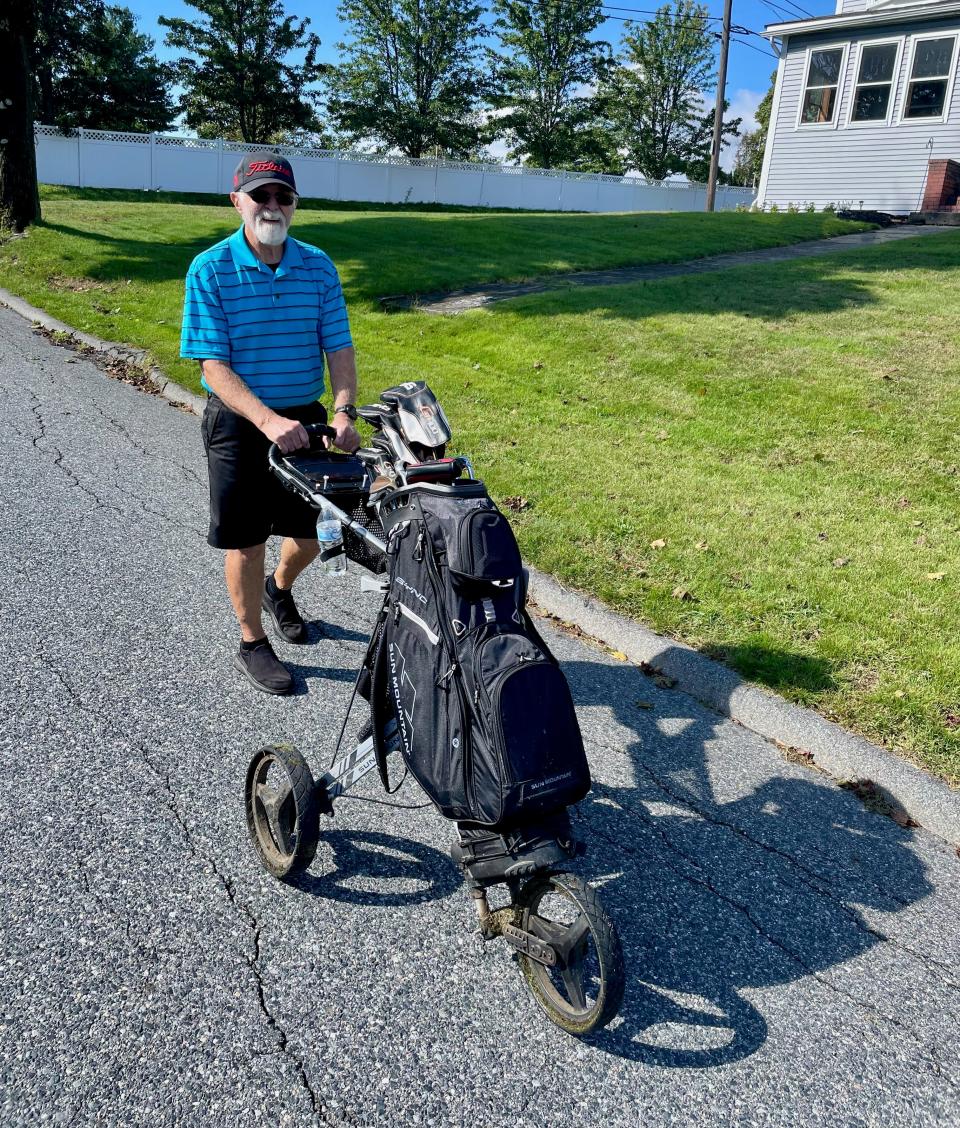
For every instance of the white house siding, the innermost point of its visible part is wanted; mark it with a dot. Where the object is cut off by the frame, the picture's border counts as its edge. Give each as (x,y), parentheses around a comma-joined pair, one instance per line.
(878,167)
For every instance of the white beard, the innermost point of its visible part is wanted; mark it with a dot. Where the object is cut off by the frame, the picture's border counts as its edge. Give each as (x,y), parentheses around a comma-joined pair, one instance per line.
(270,234)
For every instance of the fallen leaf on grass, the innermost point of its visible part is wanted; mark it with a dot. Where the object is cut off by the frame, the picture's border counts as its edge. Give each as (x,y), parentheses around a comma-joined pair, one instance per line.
(683,594)
(899,693)
(658,544)
(538,364)
(951,719)
(516,503)
(841,562)
(903,503)
(822,536)
(935,575)
(702,546)
(662,436)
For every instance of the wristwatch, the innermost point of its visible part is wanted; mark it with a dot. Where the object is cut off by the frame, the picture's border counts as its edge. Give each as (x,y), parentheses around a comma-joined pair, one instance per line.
(349,410)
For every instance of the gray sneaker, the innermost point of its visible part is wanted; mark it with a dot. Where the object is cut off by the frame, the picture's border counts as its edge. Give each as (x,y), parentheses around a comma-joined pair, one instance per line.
(263,669)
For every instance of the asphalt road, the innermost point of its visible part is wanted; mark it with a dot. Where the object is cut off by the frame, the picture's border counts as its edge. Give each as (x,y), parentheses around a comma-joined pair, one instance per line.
(792,958)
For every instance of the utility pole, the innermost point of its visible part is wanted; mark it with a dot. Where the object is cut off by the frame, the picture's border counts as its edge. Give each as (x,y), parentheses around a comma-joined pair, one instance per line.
(718,113)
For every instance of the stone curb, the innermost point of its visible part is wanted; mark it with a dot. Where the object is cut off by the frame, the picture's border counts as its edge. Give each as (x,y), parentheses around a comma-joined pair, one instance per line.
(139,358)
(842,755)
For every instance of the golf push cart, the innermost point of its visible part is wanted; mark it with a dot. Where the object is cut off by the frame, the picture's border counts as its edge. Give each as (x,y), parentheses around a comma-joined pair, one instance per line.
(469,699)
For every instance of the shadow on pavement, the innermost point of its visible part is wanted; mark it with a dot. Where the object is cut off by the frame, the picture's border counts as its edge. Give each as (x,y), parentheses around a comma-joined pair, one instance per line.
(366,863)
(722,879)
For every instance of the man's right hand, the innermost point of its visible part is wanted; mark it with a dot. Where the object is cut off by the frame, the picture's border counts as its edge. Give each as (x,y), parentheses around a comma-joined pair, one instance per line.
(288,434)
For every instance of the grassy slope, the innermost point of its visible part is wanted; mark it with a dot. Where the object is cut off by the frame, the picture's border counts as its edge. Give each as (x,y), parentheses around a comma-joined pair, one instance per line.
(789,431)
(139,251)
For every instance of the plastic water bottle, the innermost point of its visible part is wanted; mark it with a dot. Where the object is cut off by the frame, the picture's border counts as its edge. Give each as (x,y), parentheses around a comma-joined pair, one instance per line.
(330,540)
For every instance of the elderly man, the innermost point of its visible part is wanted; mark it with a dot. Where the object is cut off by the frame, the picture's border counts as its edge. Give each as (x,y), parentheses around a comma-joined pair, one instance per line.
(261,312)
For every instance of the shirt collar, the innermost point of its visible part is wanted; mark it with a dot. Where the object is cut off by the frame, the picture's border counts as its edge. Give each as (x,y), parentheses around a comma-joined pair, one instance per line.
(244,256)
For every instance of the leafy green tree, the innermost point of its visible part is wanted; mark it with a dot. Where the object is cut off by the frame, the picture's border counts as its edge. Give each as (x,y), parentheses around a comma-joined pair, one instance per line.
(749,161)
(540,75)
(61,33)
(655,97)
(19,199)
(410,76)
(697,167)
(238,79)
(114,82)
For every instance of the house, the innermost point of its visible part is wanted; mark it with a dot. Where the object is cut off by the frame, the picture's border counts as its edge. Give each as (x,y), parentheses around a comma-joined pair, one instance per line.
(866,112)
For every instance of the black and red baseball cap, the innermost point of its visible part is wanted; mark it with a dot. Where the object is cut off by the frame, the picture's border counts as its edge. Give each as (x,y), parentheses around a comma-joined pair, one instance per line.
(263,167)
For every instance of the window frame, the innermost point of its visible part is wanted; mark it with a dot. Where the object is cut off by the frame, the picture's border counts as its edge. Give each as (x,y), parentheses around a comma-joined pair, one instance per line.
(844,48)
(951,79)
(894,82)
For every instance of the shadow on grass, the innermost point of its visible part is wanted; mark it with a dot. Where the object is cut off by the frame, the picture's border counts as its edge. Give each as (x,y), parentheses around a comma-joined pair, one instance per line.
(389,252)
(776,669)
(757,882)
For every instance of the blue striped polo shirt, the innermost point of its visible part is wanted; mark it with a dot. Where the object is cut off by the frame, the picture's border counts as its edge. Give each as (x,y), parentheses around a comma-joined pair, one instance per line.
(272,328)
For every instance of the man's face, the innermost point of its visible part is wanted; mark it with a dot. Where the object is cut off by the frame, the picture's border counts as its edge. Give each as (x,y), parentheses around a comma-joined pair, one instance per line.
(267,210)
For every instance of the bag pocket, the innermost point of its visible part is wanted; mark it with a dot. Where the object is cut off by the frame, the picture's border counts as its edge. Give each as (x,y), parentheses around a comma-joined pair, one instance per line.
(535,759)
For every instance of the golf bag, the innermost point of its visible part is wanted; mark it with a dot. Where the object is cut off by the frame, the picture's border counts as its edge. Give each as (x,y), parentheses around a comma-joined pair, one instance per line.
(485,717)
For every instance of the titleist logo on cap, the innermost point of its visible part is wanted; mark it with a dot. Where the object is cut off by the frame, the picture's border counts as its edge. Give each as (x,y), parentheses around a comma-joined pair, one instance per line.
(263,168)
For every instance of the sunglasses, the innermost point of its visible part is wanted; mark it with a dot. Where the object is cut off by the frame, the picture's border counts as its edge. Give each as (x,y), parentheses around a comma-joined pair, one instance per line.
(263,196)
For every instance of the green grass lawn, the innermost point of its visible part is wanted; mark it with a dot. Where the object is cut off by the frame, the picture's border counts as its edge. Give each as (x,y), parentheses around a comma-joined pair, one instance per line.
(789,432)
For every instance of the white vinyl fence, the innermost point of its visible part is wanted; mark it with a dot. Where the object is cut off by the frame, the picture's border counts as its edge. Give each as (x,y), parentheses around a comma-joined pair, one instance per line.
(94,158)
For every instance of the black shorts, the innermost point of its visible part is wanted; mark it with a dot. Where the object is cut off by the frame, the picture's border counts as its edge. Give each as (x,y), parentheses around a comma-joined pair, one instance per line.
(248,503)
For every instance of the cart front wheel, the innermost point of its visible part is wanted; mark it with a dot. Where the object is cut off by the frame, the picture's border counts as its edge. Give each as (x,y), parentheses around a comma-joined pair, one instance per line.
(584,989)
(281,805)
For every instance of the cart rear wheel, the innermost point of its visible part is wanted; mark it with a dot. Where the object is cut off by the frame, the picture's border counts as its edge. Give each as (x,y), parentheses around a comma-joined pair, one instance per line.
(585,988)
(281,805)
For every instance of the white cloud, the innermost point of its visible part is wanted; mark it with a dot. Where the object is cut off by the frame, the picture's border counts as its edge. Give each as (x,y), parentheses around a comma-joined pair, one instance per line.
(743,104)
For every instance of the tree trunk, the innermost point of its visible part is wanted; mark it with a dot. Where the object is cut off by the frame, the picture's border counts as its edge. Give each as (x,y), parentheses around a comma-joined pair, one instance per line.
(19,198)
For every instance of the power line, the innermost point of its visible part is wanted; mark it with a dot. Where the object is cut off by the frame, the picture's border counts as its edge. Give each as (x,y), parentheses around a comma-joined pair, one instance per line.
(784,13)
(693,21)
(759,50)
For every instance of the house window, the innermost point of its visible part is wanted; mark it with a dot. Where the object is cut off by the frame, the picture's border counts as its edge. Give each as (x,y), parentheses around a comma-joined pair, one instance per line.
(819,106)
(930,71)
(874,89)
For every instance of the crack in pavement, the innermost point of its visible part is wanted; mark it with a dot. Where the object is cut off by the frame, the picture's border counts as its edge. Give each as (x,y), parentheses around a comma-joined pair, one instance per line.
(124,490)
(208,864)
(59,460)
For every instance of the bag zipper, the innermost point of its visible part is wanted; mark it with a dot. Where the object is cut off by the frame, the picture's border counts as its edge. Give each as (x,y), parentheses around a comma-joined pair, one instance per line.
(466,751)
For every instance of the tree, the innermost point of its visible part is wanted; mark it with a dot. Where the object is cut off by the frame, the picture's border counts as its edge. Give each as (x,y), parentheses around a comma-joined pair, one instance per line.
(19,199)
(410,76)
(114,82)
(537,79)
(238,79)
(61,34)
(655,97)
(92,68)
(700,143)
(749,161)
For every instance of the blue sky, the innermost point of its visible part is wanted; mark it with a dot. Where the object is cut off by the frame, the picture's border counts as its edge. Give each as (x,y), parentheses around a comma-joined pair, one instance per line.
(751,59)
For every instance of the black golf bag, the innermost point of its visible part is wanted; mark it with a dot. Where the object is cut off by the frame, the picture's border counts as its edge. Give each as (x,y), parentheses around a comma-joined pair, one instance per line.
(485,717)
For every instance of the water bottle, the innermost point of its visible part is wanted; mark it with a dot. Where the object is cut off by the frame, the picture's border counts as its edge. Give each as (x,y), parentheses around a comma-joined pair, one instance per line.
(330,540)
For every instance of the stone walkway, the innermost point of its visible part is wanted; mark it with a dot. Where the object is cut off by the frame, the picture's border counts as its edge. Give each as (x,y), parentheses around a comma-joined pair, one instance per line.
(473,297)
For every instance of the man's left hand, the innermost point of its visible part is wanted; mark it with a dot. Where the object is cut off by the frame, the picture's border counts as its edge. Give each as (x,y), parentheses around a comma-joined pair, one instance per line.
(348,438)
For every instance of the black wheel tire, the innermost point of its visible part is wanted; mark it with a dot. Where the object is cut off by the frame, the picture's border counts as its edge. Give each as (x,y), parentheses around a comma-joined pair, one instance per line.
(282,815)
(586,994)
